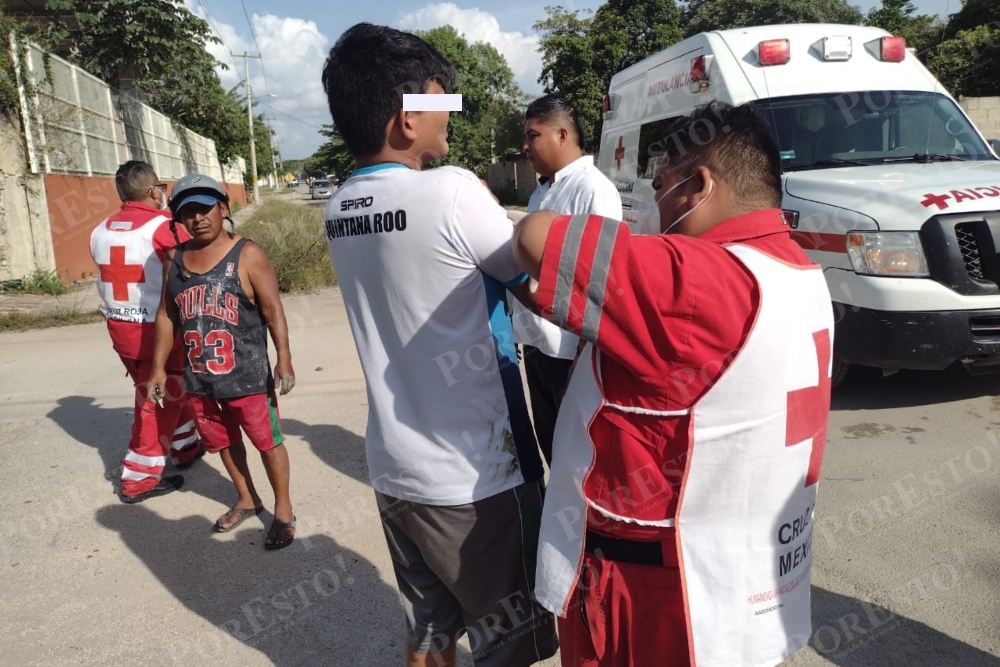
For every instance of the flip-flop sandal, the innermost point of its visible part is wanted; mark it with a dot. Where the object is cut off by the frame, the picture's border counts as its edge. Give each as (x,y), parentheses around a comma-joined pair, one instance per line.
(235,511)
(271,542)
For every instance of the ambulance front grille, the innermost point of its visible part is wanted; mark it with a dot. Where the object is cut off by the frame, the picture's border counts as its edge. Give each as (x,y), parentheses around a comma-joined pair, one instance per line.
(985,328)
(969,246)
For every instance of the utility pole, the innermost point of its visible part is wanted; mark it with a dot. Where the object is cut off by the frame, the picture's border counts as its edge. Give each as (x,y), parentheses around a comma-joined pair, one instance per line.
(253,143)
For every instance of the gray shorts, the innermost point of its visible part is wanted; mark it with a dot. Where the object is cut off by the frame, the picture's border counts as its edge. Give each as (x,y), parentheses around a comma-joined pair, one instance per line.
(470,569)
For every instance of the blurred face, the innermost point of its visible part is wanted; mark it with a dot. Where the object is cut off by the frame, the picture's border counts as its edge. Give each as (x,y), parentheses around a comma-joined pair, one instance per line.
(432,128)
(543,146)
(202,221)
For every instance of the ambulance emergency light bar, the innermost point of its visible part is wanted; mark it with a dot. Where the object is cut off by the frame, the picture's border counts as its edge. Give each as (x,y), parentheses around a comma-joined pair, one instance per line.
(834,48)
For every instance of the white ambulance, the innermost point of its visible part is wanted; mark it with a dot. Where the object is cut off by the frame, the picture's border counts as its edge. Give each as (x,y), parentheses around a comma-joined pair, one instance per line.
(886,182)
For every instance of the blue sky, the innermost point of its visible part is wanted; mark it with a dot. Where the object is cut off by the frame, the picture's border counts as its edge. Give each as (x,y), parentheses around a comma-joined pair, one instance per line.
(293,39)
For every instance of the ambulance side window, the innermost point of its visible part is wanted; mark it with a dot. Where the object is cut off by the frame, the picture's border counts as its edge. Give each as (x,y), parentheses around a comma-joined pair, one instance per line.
(651,146)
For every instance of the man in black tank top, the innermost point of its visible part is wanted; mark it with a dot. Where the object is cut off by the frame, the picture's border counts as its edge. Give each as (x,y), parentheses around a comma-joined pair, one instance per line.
(221,293)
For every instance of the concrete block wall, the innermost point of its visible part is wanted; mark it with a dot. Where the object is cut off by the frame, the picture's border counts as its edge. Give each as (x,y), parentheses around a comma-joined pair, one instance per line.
(985,113)
(517,175)
(25,237)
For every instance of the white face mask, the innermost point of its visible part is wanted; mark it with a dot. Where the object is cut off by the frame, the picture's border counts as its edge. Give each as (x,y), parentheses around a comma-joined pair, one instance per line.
(648,222)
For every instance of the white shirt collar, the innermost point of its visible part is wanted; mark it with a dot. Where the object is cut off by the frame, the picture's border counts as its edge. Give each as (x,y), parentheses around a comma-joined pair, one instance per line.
(574,166)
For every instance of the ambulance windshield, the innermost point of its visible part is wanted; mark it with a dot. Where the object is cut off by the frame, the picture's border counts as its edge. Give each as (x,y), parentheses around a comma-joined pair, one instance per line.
(840,129)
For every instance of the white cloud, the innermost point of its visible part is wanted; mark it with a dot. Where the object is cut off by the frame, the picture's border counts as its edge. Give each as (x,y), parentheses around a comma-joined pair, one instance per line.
(520,50)
(293,52)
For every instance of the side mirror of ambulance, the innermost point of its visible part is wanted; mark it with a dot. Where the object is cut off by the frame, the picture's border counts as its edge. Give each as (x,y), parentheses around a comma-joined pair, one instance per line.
(995,145)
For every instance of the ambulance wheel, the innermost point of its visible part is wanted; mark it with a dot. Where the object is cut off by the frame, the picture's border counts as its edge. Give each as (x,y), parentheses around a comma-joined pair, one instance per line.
(840,368)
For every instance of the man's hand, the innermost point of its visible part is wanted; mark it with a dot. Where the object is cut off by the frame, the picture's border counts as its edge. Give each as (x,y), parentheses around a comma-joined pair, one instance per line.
(285,376)
(157,386)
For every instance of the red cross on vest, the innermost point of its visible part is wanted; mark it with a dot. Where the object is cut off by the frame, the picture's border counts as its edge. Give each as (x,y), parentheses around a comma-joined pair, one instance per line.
(809,408)
(120,274)
(619,154)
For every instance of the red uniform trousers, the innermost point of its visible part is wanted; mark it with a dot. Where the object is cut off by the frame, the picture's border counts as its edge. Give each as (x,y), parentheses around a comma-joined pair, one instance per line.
(626,615)
(157,432)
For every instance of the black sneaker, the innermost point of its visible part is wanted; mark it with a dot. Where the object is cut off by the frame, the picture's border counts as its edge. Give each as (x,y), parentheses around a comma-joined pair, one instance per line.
(194,459)
(166,485)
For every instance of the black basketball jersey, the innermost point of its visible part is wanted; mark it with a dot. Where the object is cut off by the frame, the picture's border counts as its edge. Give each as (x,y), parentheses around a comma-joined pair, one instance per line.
(224,334)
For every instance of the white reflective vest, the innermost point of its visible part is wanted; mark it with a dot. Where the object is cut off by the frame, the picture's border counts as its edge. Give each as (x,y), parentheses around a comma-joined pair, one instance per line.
(130,275)
(744,517)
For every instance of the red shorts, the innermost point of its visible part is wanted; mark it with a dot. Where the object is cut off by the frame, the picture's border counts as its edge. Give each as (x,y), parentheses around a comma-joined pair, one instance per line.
(625,615)
(220,419)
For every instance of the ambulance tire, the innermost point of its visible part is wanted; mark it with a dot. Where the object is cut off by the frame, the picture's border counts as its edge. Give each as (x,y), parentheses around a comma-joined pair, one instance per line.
(840,369)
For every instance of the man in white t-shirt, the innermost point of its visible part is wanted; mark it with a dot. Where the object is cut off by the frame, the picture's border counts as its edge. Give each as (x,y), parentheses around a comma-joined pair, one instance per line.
(570,183)
(424,261)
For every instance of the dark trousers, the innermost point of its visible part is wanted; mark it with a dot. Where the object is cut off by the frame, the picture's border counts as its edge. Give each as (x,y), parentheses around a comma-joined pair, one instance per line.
(547,379)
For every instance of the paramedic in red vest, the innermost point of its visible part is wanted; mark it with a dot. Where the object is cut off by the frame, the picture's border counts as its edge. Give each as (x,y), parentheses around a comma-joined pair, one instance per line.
(678,516)
(128,249)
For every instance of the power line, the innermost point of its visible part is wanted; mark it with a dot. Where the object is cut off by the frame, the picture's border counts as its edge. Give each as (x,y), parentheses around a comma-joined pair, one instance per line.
(263,72)
(218,30)
(301,120)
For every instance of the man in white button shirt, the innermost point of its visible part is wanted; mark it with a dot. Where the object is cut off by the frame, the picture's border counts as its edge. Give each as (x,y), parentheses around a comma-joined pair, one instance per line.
(570,183)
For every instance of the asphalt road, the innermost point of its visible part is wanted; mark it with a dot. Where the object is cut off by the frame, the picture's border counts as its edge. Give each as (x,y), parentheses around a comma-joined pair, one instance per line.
(907,528)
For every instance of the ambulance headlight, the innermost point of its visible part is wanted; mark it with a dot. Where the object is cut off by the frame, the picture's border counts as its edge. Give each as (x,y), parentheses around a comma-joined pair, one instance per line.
(887,254)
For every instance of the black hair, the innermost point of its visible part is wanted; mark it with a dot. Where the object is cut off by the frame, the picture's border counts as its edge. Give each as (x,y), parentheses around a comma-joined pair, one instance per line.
(735,143)
(133,179)
(367,73)
(553,106)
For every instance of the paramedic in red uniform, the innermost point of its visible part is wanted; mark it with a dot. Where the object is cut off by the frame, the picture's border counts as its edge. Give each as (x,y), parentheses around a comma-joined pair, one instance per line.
(128,249)
(677,521)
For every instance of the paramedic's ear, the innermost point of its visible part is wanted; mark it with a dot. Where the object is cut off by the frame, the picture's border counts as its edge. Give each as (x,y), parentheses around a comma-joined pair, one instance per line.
(704,180)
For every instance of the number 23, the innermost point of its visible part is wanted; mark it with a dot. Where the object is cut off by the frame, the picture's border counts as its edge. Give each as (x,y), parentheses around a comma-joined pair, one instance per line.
(224,358)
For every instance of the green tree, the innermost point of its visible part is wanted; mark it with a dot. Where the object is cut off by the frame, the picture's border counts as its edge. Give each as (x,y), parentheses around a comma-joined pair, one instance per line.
(490,123)
(569,63)
(974,13)
(580,53)
(156,49)
(23,31)
(331,158)
(897,16)
(969,62)
(706,15)
(122,40)
(626,31)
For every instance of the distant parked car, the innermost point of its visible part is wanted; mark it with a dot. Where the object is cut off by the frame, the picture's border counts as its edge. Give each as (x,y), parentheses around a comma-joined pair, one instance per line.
(319,189)
(294,183)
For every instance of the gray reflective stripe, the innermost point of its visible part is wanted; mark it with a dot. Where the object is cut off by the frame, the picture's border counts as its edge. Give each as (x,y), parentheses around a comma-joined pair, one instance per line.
(599,279)
(567,268)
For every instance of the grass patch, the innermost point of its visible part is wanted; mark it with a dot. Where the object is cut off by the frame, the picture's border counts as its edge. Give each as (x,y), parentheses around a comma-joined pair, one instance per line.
(58,318)
(39,282)
(294,238)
